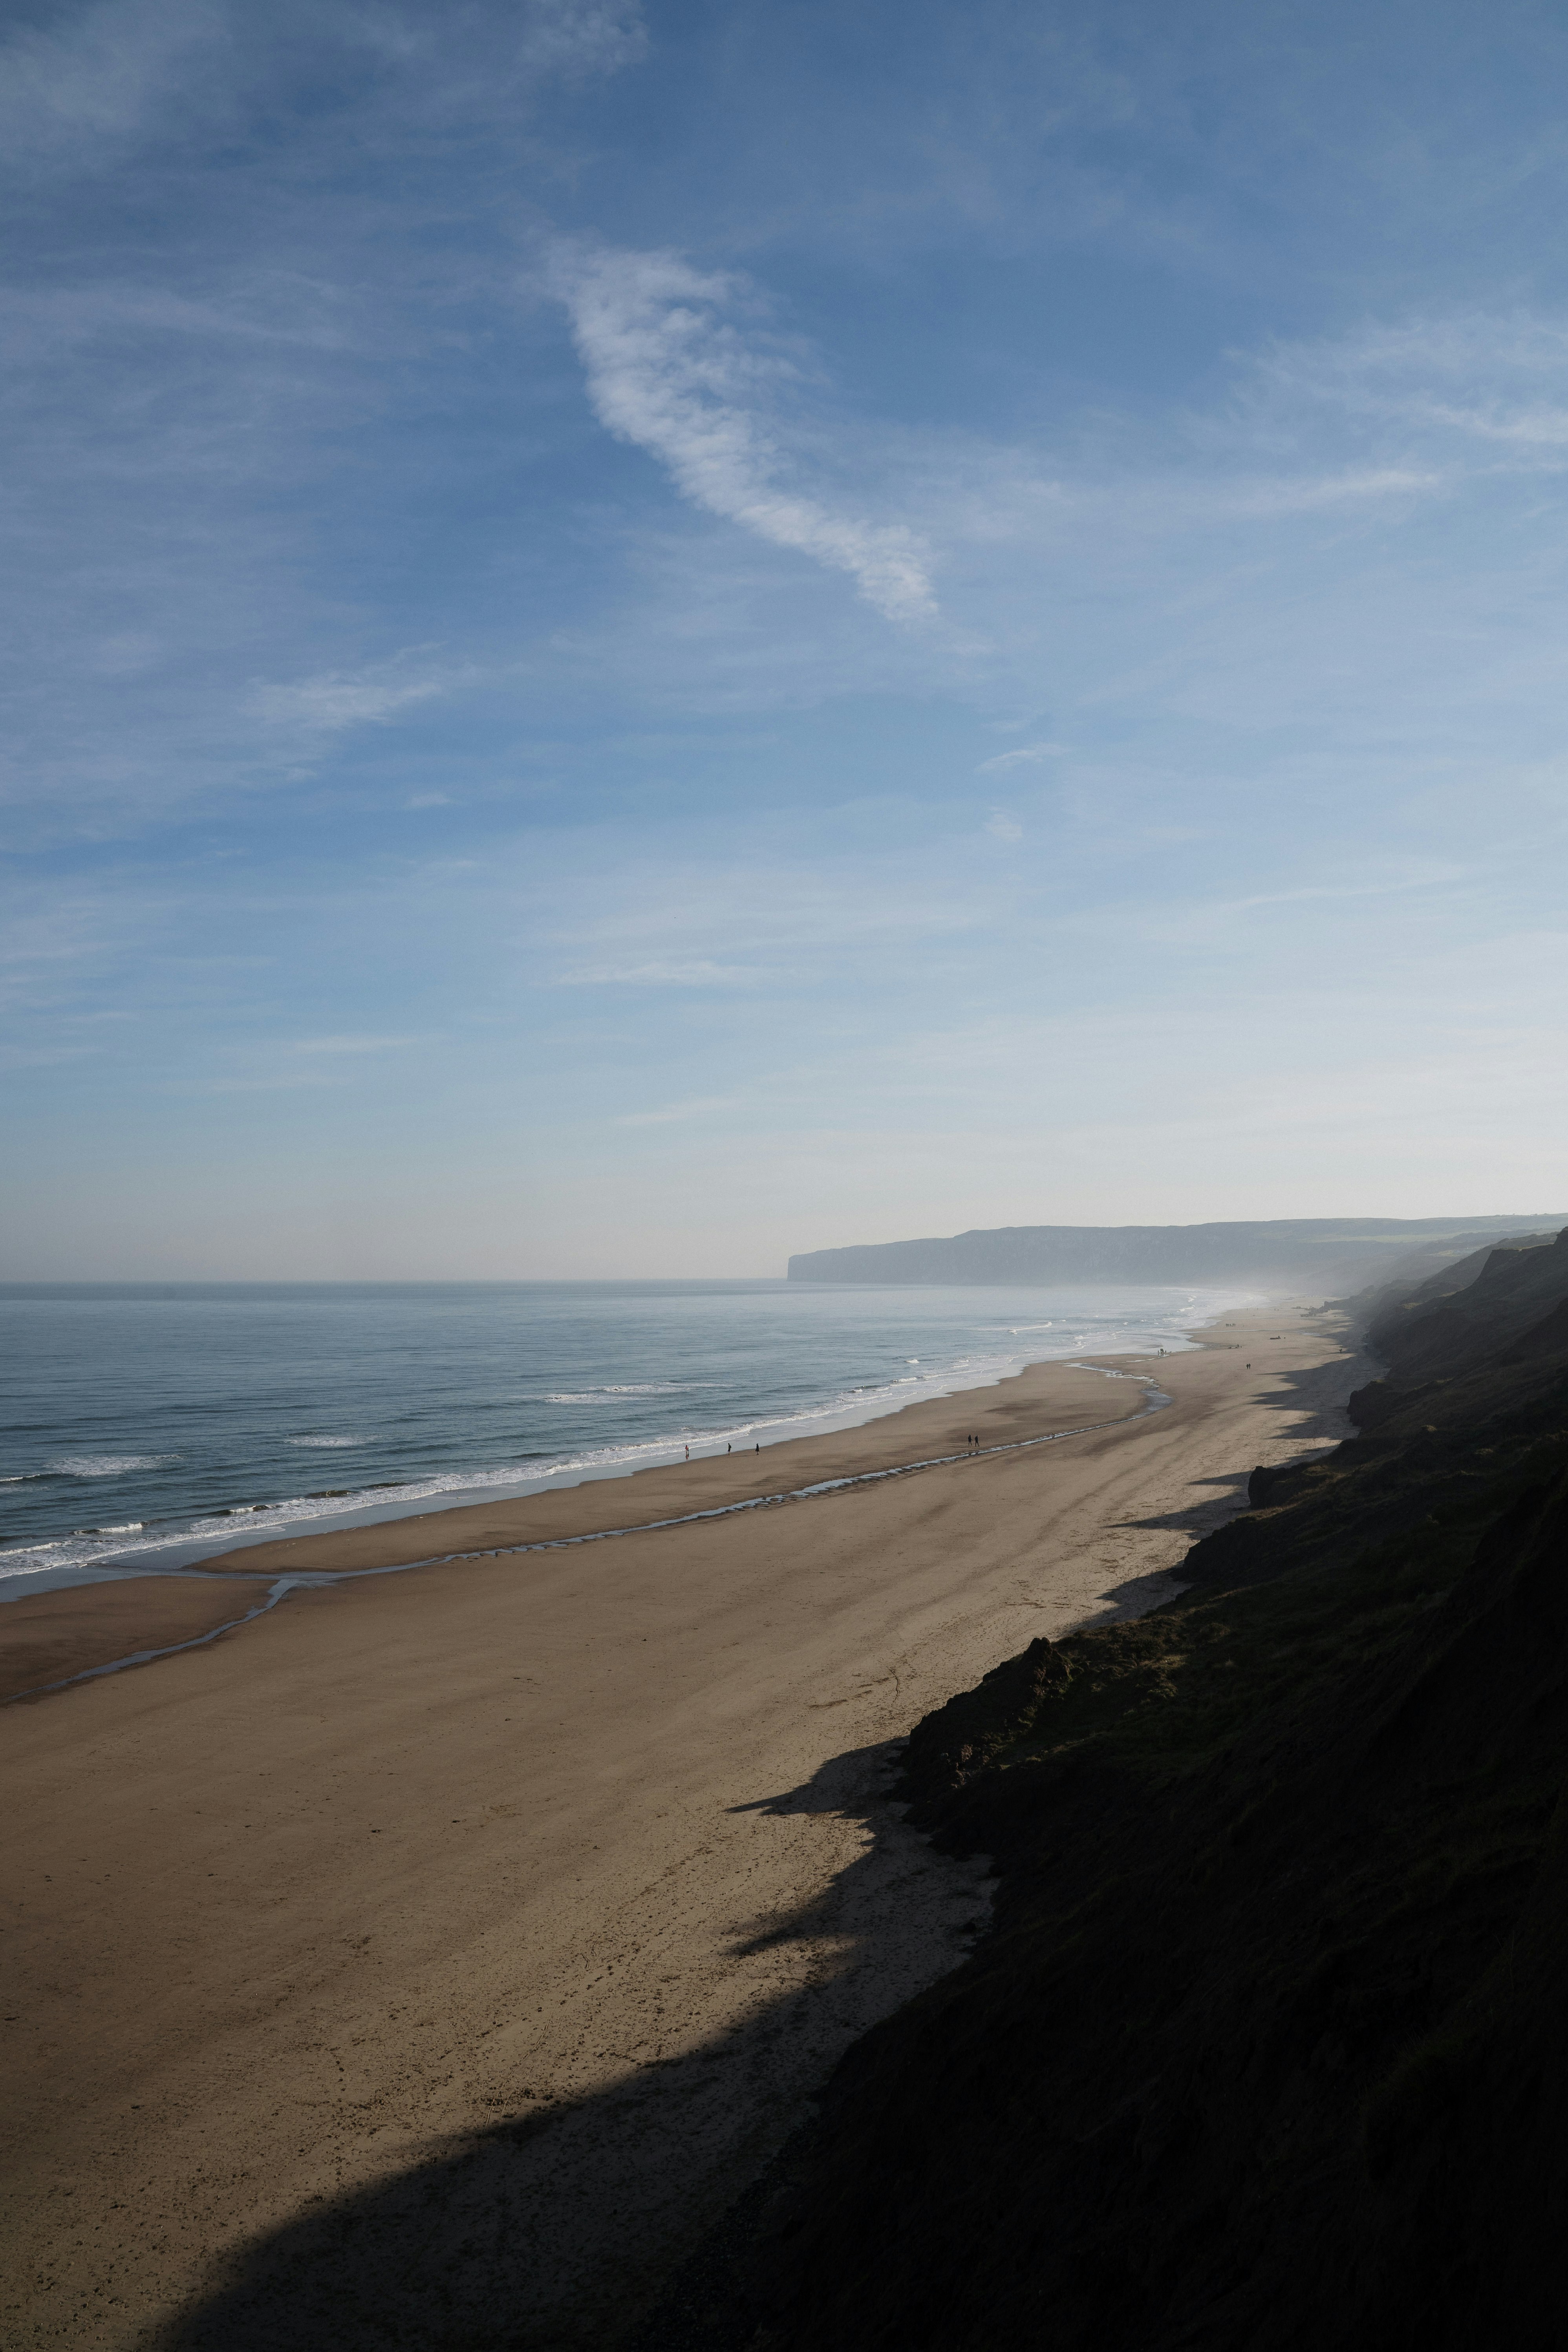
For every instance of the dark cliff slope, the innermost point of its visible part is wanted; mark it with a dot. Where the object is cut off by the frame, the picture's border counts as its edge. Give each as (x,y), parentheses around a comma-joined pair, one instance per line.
(1317,1254)
(1269,2045)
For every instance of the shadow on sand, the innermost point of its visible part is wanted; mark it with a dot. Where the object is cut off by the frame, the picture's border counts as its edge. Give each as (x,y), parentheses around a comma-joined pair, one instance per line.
(552,2228)
(1315,1400)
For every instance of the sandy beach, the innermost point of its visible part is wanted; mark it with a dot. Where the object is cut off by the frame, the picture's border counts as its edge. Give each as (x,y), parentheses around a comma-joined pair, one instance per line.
(429,1960)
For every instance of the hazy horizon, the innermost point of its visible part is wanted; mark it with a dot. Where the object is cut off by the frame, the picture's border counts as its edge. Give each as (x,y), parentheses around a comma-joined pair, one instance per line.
(644,639)
(1289,1279)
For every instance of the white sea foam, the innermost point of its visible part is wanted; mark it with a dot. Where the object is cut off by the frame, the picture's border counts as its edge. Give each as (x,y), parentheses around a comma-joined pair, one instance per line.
(107,1465)
(618,1389)
(651,1388)
(324,1442)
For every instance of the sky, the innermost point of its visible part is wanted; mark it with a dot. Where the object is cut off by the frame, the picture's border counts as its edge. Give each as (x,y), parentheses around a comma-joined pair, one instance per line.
(637,639)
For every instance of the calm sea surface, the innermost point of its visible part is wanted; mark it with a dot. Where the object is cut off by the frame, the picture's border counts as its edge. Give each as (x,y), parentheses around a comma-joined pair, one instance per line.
(139,1423)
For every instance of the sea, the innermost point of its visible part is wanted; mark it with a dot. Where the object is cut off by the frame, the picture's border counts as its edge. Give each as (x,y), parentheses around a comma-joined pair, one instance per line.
(144,1425)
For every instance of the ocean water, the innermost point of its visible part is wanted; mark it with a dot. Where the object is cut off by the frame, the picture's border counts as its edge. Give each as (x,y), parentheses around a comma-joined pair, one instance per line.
(143,1424)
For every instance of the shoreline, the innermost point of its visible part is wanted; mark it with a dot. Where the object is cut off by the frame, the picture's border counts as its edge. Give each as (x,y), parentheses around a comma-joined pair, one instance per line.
(51,1639)
(176,1551)
(535,1894)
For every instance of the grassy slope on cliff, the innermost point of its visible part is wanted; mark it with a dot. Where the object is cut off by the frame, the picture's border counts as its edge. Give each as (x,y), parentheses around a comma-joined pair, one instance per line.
(1268,2045)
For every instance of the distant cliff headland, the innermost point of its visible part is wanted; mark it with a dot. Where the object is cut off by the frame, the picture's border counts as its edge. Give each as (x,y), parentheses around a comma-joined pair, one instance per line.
(1322,1254)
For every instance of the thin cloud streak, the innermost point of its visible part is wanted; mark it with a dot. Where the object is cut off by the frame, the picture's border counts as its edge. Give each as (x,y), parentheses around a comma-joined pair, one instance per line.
(336,701)
(77,94)
(667,373)
(371,1045)
(1027,755)
(697,972)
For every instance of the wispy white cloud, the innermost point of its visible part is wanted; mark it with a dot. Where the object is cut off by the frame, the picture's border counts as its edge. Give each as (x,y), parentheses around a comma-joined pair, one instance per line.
(275,307)
(1533,428)
(353,1044)
(338,700)
(99,73)
(1027,755)
(1188,921)
(581,36)
(673,1113)
(1479,375)
(1002,827)
(75,92)
(692,971)
(1302,495)
(287,1082)
(669,372)
(729,929)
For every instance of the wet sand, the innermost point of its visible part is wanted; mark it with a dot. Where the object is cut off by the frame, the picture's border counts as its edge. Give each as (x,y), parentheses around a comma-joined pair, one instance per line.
(429,1961)
(46,1637)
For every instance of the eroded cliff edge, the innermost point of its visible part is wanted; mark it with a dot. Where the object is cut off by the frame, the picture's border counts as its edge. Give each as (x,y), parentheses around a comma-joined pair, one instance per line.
(1268,2047)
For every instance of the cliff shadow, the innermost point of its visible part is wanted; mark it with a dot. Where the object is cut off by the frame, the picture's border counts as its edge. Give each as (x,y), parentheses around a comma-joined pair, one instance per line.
(1310,1404)
(553,2230)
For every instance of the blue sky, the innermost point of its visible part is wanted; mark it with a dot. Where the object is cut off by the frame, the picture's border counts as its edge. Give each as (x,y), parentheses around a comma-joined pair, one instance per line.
(637,639)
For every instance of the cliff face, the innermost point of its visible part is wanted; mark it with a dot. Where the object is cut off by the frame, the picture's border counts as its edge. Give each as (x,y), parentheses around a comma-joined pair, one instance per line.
(1320,1254)
(1270,2047)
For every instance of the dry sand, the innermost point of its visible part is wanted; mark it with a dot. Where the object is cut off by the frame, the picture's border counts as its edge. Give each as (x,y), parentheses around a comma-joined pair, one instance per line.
(428,1962)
